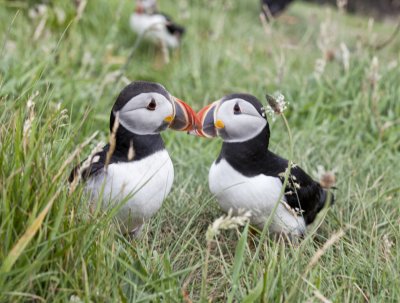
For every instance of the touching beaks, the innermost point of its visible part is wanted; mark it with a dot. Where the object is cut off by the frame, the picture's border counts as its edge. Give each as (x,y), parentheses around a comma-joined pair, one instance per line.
(184,118)
(205,126)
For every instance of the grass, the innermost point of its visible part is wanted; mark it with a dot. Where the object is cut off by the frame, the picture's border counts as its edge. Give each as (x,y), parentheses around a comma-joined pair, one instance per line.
(53,250)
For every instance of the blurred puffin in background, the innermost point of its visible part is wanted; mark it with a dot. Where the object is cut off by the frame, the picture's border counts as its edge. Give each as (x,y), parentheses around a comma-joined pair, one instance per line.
(136,174)
(154,26)
(247,175)
(272,8)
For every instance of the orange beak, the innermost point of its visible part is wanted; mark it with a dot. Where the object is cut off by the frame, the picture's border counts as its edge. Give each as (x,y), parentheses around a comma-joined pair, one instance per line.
(205,126)
(184,118)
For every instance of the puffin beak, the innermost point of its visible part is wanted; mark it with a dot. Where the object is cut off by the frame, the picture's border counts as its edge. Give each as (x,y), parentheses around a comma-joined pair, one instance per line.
(184,118)
(206,126)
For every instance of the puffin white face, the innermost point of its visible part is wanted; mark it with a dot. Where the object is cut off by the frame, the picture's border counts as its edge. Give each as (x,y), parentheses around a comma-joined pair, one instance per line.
(147,108)
(146,6)
(235,118)
(147,113)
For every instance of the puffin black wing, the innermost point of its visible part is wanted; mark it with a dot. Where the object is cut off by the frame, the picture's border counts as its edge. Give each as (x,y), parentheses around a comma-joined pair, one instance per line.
(97,164)
(303,193)
(175,29)
(172,27)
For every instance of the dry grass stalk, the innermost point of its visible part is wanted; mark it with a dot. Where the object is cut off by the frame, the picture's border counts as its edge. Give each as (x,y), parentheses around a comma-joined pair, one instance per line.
(373,77)
(341,4)
(320,252)
(30,232)
(227,222)
(164,51)
(321,297)
(131,151)
(30,106)
(39,29)
(113,141)
(222,223)
(387,245)
(345,57)
(80,8)
(264,22)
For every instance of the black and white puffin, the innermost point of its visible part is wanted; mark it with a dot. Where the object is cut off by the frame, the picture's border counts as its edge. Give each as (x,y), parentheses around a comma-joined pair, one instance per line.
(273,7)
(247,175)
(140,173)
(154,26)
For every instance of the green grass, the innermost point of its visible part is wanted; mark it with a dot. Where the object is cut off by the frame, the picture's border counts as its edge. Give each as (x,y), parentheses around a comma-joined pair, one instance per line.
(340,121)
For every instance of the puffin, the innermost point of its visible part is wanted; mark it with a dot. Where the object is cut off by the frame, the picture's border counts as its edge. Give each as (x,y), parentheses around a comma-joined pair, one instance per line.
(135,172)
(273,7)
(248,176)
(154,26)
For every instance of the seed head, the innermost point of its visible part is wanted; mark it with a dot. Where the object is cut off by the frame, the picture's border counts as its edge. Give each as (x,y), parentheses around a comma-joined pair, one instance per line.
(276,104)
(228,222)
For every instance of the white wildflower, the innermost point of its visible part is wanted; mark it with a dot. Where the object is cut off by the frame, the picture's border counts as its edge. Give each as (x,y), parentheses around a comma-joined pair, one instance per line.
(87,58)
(387,246)
(327,37)
(327,179)
(341,4)
(345,56)
(392,64)
(373,74)
(75,299)
(276,105)
(111,77)
(228,222)
(370,27)
(30,107)
(10,46)
(269,112)
(319,67)
(60,15)
(37,11)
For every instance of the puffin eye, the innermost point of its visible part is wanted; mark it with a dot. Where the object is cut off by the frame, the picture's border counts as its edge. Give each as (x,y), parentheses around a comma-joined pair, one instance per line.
(236,109)
(152,105)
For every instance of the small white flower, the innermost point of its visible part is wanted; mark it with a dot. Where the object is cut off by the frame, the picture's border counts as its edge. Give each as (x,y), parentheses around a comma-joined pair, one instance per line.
(373,74)
(327,179)
(60,15)
(75,299)
(276,105)
(319,67)
(341,4)
(345,56)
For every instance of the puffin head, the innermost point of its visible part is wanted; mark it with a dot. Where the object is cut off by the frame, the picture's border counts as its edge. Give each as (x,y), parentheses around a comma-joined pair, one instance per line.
(235,118)
(146,6)
(147,108)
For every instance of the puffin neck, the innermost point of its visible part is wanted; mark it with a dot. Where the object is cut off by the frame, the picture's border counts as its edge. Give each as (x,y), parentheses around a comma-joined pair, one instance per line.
(249,152)
(143,145)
